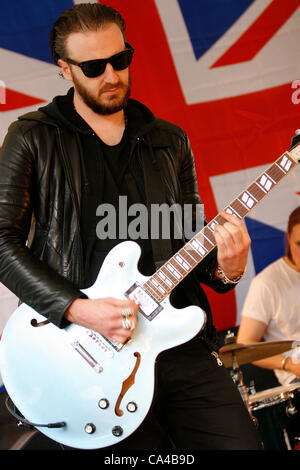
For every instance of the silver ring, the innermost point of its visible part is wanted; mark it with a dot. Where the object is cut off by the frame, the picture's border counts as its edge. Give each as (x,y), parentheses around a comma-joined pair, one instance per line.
(126,312)
(126,324)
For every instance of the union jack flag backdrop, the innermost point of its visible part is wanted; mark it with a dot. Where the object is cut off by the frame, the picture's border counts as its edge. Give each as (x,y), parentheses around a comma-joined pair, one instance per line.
(226,71)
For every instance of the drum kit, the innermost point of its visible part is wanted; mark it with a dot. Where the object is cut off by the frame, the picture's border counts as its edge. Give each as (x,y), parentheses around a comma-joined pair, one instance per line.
(275,411)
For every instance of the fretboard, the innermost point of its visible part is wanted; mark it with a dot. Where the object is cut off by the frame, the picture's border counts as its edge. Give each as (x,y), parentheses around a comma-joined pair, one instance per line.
(166,278)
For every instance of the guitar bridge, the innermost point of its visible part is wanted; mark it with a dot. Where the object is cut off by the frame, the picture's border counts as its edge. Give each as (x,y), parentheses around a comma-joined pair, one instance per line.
(148,306)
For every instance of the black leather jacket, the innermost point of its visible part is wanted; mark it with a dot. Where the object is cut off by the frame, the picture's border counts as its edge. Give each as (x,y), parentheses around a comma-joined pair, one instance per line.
(40,176)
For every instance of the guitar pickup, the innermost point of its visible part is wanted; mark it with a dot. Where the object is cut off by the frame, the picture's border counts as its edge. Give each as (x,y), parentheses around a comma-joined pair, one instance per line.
(148,306)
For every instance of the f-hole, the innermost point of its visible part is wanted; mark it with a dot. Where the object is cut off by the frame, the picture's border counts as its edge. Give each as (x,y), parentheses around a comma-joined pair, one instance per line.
(127,384)
(36,324)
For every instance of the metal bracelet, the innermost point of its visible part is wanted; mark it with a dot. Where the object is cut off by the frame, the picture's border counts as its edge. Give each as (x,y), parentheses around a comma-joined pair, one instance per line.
(226,280)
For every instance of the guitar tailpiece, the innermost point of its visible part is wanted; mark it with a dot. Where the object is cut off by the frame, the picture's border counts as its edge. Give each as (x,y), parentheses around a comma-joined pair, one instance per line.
(23,421)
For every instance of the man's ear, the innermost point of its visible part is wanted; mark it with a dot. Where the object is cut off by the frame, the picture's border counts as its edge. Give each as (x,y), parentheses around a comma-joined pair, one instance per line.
(64,69)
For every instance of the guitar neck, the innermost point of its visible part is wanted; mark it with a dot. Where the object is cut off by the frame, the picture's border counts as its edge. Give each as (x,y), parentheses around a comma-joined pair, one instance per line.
(166,278)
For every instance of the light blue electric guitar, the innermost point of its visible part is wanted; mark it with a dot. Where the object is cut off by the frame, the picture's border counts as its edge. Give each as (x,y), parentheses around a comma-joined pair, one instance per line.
(87,391)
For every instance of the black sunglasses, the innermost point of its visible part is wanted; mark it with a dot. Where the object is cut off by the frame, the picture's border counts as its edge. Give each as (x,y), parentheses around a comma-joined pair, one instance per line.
(94,68)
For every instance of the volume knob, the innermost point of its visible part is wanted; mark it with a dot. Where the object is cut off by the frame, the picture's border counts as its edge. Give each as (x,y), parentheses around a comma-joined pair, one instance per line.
(103,403)
(90,428)
(117,431)
(131,407)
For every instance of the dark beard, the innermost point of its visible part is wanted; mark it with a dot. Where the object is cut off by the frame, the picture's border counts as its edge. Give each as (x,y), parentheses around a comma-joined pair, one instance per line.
(106,109)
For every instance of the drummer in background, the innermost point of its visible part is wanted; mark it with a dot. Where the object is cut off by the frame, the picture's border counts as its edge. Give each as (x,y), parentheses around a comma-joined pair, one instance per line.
(272,307)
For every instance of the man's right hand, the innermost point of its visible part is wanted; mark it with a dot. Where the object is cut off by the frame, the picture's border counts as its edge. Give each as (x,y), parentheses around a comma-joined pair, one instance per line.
(104,316)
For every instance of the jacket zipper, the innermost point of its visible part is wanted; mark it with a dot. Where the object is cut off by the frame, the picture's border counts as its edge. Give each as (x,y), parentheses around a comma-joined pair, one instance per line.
(75,201)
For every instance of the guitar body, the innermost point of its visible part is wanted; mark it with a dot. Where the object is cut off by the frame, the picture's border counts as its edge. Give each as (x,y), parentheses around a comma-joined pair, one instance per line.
(63,375)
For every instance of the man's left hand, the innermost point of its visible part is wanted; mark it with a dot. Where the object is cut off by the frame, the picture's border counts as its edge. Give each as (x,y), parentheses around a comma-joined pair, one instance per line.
(233,244)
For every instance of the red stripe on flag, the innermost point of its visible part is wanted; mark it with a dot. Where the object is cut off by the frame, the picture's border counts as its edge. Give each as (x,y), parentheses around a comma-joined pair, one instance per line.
(15,100)
(259,33)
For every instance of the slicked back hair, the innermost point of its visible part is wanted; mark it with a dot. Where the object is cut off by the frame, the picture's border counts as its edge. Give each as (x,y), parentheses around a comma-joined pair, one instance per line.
(83,17)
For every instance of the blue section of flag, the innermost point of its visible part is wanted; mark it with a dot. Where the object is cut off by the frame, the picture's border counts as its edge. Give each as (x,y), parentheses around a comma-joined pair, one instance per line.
(208,20)
(268,243)
(25,25)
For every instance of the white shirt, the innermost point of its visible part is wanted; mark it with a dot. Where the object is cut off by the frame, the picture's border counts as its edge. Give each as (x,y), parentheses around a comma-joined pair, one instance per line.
(274,299)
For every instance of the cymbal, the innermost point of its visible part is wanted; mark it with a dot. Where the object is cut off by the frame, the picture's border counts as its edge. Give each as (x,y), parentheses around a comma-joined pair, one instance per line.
(247,353)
